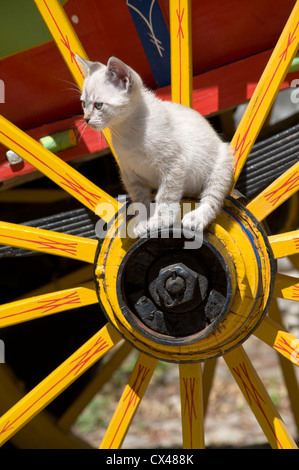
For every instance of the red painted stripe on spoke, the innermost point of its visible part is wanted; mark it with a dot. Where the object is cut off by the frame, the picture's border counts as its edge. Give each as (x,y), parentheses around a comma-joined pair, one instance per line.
(64,39)
(241,147)
(50,304)
(91,198)
(82,360)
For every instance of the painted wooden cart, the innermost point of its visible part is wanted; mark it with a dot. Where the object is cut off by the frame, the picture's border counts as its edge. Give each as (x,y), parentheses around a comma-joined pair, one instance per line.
(238,252)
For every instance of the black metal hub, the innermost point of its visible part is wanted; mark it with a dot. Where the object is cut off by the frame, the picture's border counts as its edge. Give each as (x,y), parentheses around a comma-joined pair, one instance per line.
(168,291)
(177,288)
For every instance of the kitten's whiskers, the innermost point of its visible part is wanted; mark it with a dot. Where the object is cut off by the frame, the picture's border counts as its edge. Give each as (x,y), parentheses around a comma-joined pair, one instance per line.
(74,86)
(80,127)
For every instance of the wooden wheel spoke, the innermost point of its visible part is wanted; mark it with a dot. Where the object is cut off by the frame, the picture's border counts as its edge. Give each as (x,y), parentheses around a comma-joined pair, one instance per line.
(38,398)
(284,244)
(258,399)
(47,304)
(181,52)
(265,92)
(276,193)
(273,334)
(129,402)
(67,43)
(192,406)
(287,287)
(288,371)
(94,386)
(46,241)
(56,169)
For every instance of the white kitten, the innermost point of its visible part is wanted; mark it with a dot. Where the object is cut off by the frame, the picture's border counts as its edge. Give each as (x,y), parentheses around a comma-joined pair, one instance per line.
(160,145)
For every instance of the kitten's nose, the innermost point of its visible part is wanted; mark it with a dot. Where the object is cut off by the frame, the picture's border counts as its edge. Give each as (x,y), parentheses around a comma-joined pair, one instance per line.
(87,120)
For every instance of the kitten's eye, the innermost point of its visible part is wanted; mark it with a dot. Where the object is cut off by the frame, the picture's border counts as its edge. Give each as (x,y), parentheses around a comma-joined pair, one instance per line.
(98,105)
(83,104)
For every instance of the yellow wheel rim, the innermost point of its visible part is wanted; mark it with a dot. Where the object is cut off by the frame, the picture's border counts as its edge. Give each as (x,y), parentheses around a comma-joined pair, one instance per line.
(249,287)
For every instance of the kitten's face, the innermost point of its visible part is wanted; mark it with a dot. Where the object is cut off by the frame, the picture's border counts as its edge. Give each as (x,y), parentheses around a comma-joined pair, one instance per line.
(107,92)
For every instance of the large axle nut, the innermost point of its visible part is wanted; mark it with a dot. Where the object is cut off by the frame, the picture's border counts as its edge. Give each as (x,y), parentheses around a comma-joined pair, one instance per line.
(178,285)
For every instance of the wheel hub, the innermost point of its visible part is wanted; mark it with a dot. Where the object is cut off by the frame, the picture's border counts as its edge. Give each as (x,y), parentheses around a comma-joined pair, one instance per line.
(179,286)
(180,301)
(183,304)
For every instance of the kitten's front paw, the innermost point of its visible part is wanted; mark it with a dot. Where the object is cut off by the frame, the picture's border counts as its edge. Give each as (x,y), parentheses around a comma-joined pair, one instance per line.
(193,221)
(164,217)
(141,228)
(156,223)
(144,228)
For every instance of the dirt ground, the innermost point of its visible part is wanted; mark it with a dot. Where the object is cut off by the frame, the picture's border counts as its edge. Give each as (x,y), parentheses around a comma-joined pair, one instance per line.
(229,421)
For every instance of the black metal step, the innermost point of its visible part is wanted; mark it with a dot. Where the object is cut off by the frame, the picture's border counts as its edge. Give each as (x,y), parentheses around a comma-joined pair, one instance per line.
(269,159)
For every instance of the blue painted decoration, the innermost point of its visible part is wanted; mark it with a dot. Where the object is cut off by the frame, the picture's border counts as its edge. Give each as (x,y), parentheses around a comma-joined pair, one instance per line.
(154,35)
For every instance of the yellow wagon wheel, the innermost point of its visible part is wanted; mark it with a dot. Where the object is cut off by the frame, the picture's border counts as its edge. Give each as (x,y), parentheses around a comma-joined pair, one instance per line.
(234,290)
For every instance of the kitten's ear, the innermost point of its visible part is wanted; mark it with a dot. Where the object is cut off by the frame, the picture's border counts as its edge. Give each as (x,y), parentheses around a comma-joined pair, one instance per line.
(119,74)
(87,66)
